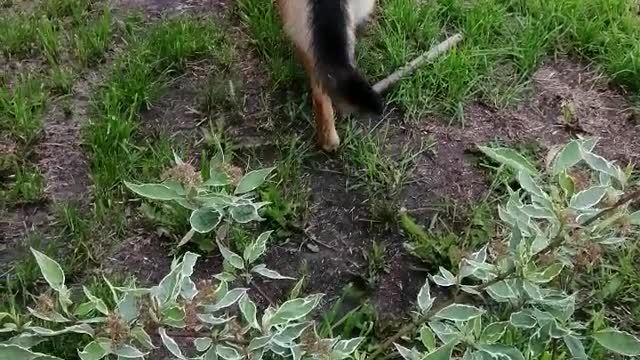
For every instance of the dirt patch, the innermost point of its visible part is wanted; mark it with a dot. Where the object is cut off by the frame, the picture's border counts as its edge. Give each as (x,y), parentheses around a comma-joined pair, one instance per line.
(59,154)
(595,108)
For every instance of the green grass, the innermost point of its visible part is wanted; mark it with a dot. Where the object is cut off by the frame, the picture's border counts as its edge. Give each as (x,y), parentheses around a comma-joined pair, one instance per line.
(137,78)
(21,108)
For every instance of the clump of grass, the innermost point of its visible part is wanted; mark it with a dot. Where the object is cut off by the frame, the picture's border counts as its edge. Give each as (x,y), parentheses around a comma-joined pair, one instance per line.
(92,39)
(18,35)
(21,108)
(61,80)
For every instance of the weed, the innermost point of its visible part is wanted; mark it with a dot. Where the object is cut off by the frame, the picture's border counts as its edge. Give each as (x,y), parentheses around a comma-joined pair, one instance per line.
(61,80)
(21,108)
(376,265)
(93,38)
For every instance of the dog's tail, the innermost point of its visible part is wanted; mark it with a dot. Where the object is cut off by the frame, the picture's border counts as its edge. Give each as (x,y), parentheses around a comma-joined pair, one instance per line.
(331,44)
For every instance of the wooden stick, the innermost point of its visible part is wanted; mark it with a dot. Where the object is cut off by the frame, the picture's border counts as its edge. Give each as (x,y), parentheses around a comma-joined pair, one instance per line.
(434,52)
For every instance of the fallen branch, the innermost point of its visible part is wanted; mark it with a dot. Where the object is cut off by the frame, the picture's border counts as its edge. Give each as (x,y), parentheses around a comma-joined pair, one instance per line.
(434,52)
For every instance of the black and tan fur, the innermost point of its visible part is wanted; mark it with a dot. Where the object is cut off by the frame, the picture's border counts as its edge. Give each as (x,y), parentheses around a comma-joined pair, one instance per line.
(324,34)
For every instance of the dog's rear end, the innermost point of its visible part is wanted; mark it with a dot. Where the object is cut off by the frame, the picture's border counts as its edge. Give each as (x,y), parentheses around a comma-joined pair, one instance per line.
(324,34)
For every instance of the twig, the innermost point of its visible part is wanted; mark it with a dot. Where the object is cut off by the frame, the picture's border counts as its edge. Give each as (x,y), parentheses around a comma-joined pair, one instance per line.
(262,293)
(433,53)
(558,241)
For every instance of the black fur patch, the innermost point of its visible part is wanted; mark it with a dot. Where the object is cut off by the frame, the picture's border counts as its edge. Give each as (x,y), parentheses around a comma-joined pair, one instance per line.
(329,39)
(329,36)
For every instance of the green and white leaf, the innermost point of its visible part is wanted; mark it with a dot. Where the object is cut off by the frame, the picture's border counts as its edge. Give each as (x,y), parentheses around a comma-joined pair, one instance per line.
(493,332)
(256,248)
(408,354)
(232,258)
(125,351)
(523,320)
(427,338)
(13,351)
(170,344)
(587,199)
(443,352)
(252,180)
(202,344)
(248,309)
(268,273)
(510,158)
(620,342)
(154,191)
(575,347)
(97,302)
(498,351)
(228,353)
(245,213)
(204,220)
(294,309)
(51,270)
(230,298)
(424,298)
(95,350)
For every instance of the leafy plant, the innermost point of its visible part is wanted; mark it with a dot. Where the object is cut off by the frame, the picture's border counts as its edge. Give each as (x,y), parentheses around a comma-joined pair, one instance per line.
(559,220)
(177,307)
(222,194)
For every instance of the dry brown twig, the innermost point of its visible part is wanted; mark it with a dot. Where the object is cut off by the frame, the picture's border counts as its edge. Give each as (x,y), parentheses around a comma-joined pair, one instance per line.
(384,84)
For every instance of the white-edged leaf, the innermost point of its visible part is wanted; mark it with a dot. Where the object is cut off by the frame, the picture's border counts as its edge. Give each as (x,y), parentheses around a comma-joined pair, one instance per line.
(459,312)
(142,337)
(13,351)
(170,344)
(202,343)
(498,351)
(256,248)
(230,298)
(213,320)
(427,338)
(258,343)
(620,342)
(575,347)
(443,352)
(248,309)
(288,334)
(245,213)
(95,350)
(228,353)
(51,270)
(268,273)
(125,351)
(586,199)
(204,220)
(348,346)
(424,297)
(522,319)
(443,331)
(232,258)
(510,158)
(408,354)
(252,180)
(634,218)
(294,309)
(493,332)
(569,156)
(97,302)
(528,183)
(502,291)
(52,316)
(154,191)
(77,329)
(548,274)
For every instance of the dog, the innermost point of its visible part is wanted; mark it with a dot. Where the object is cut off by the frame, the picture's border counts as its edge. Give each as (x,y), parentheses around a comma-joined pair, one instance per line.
(323,33)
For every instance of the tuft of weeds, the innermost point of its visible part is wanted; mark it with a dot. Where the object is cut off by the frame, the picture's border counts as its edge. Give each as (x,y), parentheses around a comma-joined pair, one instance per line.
(21,108)
(376,264)
(18,35)
(61,79)
(93,38)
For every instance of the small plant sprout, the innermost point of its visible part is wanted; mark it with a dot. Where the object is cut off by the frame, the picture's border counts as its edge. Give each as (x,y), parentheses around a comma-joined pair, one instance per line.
(551,224)
(222,195)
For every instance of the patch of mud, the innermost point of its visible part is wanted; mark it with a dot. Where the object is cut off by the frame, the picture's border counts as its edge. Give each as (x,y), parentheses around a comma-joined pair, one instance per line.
(15,225)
